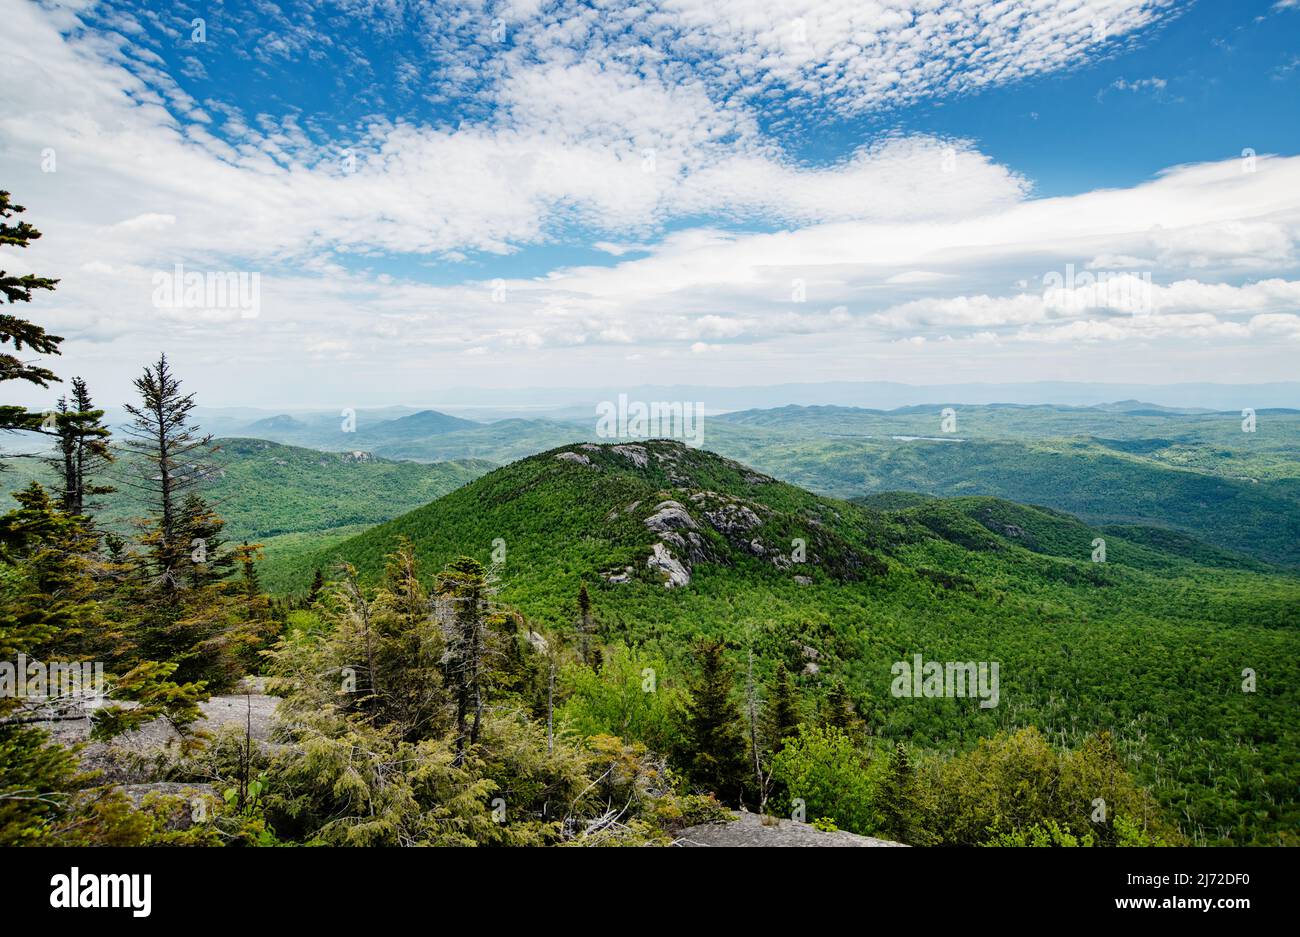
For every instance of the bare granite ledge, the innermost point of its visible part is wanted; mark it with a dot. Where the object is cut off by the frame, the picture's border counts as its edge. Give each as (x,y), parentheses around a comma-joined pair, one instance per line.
(748,830)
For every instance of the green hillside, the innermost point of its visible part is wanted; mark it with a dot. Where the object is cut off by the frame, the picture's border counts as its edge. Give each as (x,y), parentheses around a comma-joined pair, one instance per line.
(674,543)
(503,441)
(264,490)
(1100,484)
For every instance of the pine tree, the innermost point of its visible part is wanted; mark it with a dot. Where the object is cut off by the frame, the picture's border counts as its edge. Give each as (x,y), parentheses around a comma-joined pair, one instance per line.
(781,716)
(839,708)
(898,801)
(714,730)
(410,649)
(463,595)
(46,603)
(164,440)
(202,561)
(16,331)
(584,625)
(317,585)
(259,627)
(82,451)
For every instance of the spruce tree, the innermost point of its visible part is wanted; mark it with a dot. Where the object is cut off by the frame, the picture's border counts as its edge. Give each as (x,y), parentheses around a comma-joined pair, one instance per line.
(410,647)
(781,716)
(317,585)
(16,331)
(714,729)
(82,451)
(202,559)
(898,801)
(584,625)
(166,445)
(839,708)
(463,596)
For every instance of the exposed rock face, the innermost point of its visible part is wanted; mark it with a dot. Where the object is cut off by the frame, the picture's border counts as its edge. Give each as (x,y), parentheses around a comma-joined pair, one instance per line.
(732,519)
(670,515)
(573,457)
(619,578)
(667,459)
(536,642)
(637,454)
(662,561)
(750,829)
(803,580)
(126,760)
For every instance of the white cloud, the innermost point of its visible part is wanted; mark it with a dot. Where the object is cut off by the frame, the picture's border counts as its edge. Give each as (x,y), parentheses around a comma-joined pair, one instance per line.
(624,122)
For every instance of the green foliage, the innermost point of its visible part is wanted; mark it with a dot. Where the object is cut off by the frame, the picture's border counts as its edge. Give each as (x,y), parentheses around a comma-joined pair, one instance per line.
(18,332)
(714,745)
(901,803)
(1014,782)
(1047,833)
(626,698)
(781,714)
(831,776)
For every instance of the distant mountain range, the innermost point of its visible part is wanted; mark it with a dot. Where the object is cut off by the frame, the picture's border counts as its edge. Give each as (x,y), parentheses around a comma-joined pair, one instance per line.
(1131,462)
(566,403)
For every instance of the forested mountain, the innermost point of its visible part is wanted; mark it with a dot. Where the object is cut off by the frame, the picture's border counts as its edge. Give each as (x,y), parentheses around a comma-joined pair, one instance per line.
(266,490)
(347,429)
(1128,463)
(673,542)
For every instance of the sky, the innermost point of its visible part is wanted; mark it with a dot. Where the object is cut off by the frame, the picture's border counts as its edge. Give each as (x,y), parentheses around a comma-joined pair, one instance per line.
(513,194)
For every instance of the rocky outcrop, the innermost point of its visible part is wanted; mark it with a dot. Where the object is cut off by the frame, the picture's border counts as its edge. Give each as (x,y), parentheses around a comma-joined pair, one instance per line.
(619,577)
(732,519)
(670,515)
(674,574)
(751,829)
(638,455)
(577,457)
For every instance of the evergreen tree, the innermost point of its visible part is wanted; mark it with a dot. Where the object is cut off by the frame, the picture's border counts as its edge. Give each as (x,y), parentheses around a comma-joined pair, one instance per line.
(202,561)
(165,441)
(410,649)
(463,595)
(781,716)
(46,602)
(19,332)
(82,451)
(714,729)
(317,585)
(584,625)
(259,627)
(898,800)
(191,616)
(838,710)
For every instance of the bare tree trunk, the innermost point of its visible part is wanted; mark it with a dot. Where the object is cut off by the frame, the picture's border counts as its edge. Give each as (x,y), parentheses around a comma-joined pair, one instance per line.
(753,731)
(550,708)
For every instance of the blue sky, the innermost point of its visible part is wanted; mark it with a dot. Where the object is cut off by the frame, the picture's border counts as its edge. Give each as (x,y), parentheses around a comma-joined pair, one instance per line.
(528,193)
